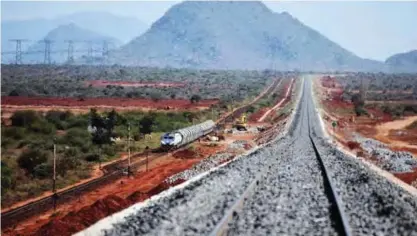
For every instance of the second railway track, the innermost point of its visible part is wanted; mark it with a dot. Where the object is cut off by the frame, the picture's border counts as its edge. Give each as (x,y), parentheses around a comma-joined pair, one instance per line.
(111,172)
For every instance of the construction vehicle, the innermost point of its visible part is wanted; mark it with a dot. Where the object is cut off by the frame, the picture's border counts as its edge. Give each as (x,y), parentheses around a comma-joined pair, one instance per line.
(241,123)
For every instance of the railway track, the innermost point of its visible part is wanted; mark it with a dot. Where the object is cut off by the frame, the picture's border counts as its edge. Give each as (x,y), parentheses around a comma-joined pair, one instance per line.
(296,185)
(113,172)
(246,202)
(238,111)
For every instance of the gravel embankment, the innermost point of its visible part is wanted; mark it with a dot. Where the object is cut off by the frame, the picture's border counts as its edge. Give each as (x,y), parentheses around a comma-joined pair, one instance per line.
(201,167)
(290,197)
(393,161)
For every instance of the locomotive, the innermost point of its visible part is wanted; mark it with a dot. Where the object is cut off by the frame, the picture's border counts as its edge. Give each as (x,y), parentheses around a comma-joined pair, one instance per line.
(187,135)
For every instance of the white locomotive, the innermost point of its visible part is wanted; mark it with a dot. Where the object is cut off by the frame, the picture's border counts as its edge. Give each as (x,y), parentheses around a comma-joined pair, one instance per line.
(184,136)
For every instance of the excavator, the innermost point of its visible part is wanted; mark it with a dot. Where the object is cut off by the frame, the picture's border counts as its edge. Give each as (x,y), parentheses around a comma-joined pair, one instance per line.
(240,123)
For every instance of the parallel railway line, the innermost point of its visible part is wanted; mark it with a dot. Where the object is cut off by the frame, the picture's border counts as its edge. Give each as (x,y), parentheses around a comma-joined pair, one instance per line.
(112,172)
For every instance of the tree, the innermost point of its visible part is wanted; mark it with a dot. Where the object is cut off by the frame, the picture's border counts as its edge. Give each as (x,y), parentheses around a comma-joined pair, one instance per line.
(145,124)
(155,96)
(358,104)
(43,171)
(195,98)
(102,128)
(14,93)
(28,160)
(24,118)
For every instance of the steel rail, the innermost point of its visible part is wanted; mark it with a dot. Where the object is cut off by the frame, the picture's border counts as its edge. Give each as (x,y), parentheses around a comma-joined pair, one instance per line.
(341,221)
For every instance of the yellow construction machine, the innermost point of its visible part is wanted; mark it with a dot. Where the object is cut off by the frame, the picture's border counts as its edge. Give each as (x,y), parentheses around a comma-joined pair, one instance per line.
(240,124)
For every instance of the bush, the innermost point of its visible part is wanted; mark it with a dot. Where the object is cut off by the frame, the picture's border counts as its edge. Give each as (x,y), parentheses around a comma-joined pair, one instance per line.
(92,157)
(43,171)
(69,161)
(146,123)
(6,177)
(13,132)
(14,93)
(24,118)
(28,160)
(359,110)
(251,109)
(76,137)
(109,150)
(58,118)
(195,98)
(42,126)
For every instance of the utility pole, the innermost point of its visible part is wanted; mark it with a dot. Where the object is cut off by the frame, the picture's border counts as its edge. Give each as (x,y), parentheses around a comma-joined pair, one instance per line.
(47,52)
(128,146)
(54,177)
(70,57)
(147,155)
(54,195)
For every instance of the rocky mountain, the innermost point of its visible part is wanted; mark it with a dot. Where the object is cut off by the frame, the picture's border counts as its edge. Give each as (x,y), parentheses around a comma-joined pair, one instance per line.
(59,38)
(405,62)
(119,27)
(236,35)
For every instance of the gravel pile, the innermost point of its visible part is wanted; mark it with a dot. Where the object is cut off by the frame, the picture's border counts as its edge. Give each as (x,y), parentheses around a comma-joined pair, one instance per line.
(238,144)
(200,167)
(387,159)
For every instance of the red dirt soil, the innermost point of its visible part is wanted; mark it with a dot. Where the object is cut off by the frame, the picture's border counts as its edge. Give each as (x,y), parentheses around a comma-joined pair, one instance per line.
(76,214)
(103,83)
(407,177)
(70,216)
(185,154)
(258,114)
(105,102)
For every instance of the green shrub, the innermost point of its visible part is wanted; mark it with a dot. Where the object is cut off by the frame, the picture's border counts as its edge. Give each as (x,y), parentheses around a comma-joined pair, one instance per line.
(6,177)
(29,159)
(24,118)
(108,150)
(42,126)
(92,157)
(360,110)
(58,118)
(43,171)
(251,109)
(69,161)
(13,132)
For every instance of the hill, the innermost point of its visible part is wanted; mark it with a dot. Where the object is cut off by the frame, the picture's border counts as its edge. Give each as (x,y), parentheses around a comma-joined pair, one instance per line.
(406,62)
(58,37)
(236,35)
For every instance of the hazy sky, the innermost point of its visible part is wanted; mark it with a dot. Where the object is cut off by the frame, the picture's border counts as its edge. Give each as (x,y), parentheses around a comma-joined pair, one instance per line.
(373,30)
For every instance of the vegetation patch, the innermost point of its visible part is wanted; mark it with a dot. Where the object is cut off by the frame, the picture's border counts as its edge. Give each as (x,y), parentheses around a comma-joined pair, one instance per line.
(28,144)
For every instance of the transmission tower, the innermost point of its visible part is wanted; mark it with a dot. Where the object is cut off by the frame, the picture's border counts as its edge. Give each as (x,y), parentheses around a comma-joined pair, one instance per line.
(47,53)
(18,54)
(70,58)
(90,52)
(105,48)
